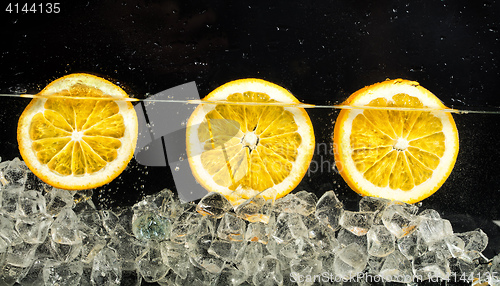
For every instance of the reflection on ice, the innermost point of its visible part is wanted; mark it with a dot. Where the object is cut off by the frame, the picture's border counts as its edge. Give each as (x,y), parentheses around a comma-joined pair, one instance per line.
(55,237)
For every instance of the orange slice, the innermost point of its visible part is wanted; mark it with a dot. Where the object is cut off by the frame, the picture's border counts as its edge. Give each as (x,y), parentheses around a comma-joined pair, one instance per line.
(398,155)
(243,150)
(74,143)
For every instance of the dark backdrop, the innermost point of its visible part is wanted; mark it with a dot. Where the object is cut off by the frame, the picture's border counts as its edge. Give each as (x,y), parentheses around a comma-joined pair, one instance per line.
(321,51)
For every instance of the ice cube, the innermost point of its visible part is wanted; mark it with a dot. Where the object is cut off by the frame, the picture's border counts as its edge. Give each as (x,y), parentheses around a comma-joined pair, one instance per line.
(323,239)
(350,260)
(431,265)
(21,254)
(131,278)
(109,220)
(127,247)
(34,228)
(381,242)
(372,204)
(433,230)
(329,210)
(106,269)
(252,255)
(13,174)
(268,272)
(34,276)
(257,232)
(282,233)
(396,268)
(10,200)
(399,221)
(494,278)
(231,276)
(475,240)
(345,237)
(150,263)
(356,222)
(64,229)
(31,202)
(304,271)
(62,273)
(150,226)
(255,209)
(92,244)
(58,200)
(89,217)
(231,228)
(231,251)
(213,204)
(175,257)
(8,234)
(199,256)
(299,248)
(303,203)
(9,273)
(64,252)
(412,245)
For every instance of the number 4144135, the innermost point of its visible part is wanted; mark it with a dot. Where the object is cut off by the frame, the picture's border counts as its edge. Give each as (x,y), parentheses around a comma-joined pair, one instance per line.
(33,8)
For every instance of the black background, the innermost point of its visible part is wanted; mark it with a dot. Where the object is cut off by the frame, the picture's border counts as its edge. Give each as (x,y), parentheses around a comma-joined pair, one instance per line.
(321,51)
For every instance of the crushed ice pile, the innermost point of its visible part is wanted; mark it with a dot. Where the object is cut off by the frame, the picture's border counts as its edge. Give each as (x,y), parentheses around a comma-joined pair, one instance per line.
(55,237)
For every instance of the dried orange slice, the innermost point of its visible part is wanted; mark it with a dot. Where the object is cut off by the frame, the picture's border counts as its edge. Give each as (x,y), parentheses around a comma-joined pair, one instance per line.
(75,143)
(398,155)
(241,150)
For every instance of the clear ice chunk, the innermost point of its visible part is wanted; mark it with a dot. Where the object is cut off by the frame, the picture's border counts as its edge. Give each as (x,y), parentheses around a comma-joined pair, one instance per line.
(396,268)
(329,210)
(34,228)
(268,272)
(372,204)
(150,226)
(412,245)
(255,209)
(13,174)
(431,265)
(356,222)
(231,251)
(62,273)
(34,276)
(252,255)
(475,240)
(151,265)
(175,257)
(231,228)
(257,232)
(8,234)
(399,221)
(303,271)
(57,200)
(65,228)
(345,237)
(127,247)
(299,248)
(106,269)
(381,242)
(433,230)
(30,203)
(350,261)
(92,244)
(213,204)
(303,203)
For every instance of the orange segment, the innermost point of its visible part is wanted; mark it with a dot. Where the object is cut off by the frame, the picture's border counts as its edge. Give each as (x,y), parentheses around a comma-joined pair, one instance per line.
(240,150)
(394,154)
(76,143)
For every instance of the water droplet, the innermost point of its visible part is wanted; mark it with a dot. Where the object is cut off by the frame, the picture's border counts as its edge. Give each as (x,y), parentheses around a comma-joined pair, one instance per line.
(176,168)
